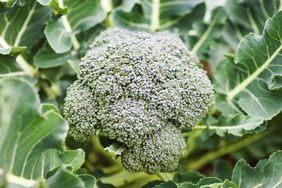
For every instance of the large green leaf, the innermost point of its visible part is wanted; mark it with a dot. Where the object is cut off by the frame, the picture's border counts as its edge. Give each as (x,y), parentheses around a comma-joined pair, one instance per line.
(246,82)
(22,26)
(155,14)
(31,135)
(61,33)
(247,16)
(267,173)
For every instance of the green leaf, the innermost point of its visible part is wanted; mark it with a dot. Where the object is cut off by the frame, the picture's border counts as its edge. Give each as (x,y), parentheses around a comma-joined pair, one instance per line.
(91,15)
(246,82)
(64,178)
(192,177)
(31,136)
(184,24)
(60,178)
(155,15)
(204,35)
(267,173)
(47,58)
(237,125)
(54,4)
(88,180)
(8,66)
(128,5)
(196,180)
(61,33)
(276,82)
(247,16)
(168,184)
(58,38)
(22,26)
(152,184)
(229,184)
(206,182)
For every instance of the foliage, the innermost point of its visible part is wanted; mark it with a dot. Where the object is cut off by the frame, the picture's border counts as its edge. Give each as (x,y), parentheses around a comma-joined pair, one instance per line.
(238,43)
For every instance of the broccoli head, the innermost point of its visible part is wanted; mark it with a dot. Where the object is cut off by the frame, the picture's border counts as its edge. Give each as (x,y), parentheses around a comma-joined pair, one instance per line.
(141,90)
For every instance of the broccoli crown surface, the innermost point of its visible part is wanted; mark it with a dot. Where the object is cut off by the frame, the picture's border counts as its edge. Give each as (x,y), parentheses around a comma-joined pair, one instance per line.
(142,90)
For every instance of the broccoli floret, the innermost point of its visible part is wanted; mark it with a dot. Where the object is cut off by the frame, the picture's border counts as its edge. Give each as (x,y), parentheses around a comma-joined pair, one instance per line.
(127,120)
(141,90)
(159,152)
(80,111)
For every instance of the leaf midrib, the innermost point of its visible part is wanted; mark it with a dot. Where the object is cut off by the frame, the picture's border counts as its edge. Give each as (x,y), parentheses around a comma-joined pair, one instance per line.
(201,41)
(23,28)
(17,180)
(241,126)
(155,16)
(240,87)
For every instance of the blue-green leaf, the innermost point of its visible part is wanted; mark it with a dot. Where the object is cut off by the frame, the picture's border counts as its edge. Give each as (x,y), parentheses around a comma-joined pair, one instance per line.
(31,135)
(246,82)
(61,33)
(267,173)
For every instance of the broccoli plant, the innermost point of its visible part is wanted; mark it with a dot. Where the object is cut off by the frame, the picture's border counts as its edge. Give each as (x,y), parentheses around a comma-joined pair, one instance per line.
(140,93)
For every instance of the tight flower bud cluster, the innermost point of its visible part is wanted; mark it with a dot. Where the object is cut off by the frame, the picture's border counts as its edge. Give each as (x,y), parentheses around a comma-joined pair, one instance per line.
(141,90)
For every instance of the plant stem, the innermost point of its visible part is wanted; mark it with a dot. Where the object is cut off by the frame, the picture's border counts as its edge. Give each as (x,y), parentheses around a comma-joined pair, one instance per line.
(203,127)
(125,177)
(25,66)
(211,156)
(155,16)
(29,69)
(13,74)
(99,150)
(107,5)
(68,28)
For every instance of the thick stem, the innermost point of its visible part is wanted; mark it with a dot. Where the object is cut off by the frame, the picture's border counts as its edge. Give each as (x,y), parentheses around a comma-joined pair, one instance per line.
(213,155)
(155,16)
(124,178)
(29,69)
(25,66)
(68,28)
(107,5)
